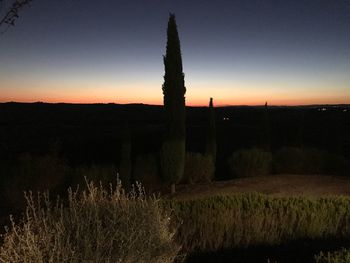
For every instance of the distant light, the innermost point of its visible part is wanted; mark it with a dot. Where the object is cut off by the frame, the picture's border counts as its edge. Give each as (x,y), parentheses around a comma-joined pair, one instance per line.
(323,109)
(345,110)
(226,118)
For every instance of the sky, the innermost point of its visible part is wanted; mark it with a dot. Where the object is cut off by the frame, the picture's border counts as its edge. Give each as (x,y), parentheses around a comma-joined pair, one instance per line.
(240,52)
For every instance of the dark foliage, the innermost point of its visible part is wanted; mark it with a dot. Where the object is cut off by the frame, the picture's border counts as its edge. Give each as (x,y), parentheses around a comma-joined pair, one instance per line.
(199,168)
(146,170)
(125,164)
(265,140)
(292,160)
(289,160)
(91,134)
(248,163)
(31,172)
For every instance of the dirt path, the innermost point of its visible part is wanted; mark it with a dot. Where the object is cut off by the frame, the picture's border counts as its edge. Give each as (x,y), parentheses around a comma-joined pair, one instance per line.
(275,185)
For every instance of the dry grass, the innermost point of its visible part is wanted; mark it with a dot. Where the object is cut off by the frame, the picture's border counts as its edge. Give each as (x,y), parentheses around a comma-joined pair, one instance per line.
(340,256)
(242,220)
(97,225)
(227,214)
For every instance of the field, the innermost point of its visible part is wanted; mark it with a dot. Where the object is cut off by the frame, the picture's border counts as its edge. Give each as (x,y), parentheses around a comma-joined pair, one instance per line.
(230,221)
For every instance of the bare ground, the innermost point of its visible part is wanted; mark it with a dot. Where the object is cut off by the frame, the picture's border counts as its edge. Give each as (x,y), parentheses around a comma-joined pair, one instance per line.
(275,185)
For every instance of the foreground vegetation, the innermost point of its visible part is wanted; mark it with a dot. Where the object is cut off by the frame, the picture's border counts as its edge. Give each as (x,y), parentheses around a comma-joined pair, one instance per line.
(99,225)
(242,220)
(340,256)
(96,225)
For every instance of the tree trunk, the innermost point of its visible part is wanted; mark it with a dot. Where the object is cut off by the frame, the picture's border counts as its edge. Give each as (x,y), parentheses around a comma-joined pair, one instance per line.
(173,188)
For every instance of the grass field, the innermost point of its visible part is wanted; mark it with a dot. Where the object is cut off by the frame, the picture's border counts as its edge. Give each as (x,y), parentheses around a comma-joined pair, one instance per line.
(274,185)
(260,218)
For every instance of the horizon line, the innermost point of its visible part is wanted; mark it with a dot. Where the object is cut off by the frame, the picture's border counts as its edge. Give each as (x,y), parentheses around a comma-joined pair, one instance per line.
(190,105)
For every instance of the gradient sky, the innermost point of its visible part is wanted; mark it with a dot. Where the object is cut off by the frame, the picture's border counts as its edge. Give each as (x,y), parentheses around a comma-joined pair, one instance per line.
(238,51)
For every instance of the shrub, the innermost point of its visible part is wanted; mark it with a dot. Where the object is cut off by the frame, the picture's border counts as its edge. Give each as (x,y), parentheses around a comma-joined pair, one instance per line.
(314,161)
(34,172)
(251,219)
(289,160)
(309,161)
(42,172)
(253,162)
(97,226)
(340,256)
(337,165)
(198,168)
(146,171)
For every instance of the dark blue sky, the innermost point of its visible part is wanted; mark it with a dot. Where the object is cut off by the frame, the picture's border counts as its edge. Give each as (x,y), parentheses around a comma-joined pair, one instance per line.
(239,52)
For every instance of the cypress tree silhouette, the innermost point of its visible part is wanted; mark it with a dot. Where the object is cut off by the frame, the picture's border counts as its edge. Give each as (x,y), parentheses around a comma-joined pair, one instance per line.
(210,147)
(211,132)
(173,148)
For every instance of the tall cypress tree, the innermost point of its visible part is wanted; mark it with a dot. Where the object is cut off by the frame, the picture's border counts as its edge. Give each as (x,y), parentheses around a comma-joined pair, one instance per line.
(173,148)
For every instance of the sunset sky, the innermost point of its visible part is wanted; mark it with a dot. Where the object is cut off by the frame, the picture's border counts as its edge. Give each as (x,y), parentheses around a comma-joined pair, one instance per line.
(286,52)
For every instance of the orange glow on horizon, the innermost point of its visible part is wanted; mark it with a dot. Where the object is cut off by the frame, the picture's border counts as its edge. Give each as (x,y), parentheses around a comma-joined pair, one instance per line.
(197,95)
(192,102)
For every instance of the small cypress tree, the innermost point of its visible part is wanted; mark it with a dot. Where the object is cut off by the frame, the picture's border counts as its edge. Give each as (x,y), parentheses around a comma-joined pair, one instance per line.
(211,131)
(173,148)
(211,135)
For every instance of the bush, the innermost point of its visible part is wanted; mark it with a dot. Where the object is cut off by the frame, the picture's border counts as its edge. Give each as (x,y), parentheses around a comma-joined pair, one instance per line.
(289,160)
(97,226)
(198,168)
(253,162)
(146,171)
(309,161)
(251,219)
(340,256)
(37,173)
(314,161)
(337,165)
